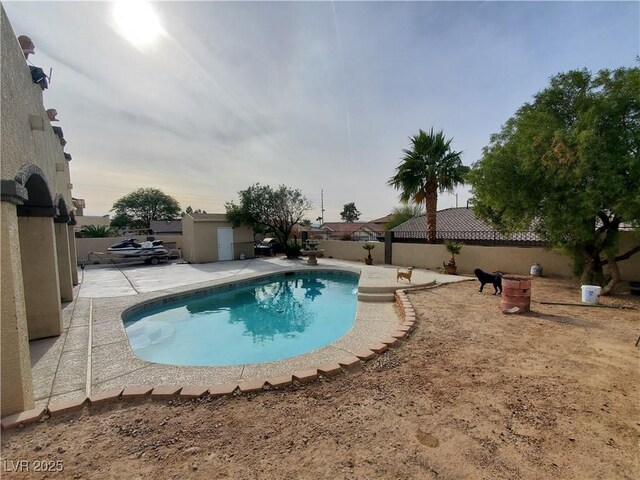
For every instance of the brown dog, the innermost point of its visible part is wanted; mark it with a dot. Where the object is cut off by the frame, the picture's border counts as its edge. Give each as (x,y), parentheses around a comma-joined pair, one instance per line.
(406,274)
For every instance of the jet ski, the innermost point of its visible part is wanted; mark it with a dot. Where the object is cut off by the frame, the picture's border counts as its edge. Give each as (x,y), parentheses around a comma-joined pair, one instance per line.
(132,248)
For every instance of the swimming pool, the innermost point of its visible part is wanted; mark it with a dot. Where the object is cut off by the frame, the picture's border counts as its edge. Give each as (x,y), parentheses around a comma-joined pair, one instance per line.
(267,320)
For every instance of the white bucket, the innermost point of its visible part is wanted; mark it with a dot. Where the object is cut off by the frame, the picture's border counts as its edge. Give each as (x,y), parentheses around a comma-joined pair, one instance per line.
(590,294)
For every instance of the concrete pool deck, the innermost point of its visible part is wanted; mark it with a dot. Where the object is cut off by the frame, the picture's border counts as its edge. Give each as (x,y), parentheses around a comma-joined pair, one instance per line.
(93,354)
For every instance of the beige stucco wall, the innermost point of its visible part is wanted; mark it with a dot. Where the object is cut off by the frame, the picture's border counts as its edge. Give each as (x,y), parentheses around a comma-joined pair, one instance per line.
(20,97)
(243,234)
(629,269)
(30,281)
(504,259)
(351,250)
(40,276)
(73,258)
(205,242)
(187,237)
(64,262)
(15,377)
(86,245)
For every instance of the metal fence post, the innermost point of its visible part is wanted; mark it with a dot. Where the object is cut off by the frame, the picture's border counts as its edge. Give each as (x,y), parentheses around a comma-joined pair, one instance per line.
(388,247)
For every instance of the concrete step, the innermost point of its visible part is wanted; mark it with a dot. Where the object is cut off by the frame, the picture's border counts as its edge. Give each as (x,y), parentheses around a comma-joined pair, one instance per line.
(376,297)
(393,288)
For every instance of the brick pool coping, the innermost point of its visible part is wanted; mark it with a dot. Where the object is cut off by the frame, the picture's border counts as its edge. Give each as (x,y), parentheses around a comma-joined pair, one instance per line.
(348,363)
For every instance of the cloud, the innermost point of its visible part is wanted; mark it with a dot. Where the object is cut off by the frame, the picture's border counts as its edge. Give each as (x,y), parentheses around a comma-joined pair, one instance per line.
(313,95)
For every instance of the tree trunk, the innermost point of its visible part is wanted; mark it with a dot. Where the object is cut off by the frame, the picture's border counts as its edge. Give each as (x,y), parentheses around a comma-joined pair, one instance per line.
(615,275)
(592,273)
(589,266)
(431,206)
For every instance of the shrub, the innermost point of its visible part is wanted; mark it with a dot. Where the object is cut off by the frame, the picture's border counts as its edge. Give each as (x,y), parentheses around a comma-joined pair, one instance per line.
(97,231)
(368,247)
(292,249)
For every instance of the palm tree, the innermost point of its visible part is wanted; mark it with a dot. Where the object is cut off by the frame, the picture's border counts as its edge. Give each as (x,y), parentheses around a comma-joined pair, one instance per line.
(97,231)
(454,248)
(430,165)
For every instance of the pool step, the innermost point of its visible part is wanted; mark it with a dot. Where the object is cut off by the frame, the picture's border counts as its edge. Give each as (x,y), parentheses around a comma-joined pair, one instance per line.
(392,288)
(376,297)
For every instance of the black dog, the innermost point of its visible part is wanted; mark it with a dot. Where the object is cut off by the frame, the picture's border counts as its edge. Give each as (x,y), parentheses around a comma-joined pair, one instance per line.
(493,278)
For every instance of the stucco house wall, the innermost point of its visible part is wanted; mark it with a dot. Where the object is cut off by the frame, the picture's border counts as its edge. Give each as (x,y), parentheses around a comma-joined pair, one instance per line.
(20,98)
(38,246)
(206,242)
(243,235)
(187,237)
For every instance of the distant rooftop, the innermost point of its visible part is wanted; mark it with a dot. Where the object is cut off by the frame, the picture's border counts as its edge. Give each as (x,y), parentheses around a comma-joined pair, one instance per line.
(383,220)
(349,227)
(460,224)
(449,220)
(208,217)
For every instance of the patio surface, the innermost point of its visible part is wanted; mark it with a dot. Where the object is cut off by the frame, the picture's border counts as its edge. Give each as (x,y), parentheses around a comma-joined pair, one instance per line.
(93,355)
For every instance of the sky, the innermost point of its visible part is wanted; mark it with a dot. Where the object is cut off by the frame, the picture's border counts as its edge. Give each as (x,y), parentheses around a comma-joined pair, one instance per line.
(319,96)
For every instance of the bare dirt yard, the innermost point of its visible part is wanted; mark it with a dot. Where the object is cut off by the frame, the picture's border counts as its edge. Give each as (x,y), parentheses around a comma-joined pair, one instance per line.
(472,393)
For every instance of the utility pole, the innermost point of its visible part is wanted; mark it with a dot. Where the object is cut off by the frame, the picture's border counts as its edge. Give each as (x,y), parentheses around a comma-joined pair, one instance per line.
(456,199)
(322,205)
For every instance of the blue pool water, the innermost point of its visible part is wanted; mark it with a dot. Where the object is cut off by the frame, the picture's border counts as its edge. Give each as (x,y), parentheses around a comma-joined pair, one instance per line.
(268,320)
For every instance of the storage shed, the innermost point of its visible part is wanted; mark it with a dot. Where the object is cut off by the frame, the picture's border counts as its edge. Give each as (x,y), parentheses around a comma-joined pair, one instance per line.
(210,237)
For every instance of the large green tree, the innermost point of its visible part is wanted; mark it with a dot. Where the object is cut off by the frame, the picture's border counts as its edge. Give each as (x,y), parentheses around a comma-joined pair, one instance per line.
(567,165)
(138,208)
(429,166)
(267,209)
(350,213)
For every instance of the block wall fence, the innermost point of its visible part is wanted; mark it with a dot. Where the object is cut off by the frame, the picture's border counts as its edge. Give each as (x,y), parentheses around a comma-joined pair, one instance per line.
(489,258)
(86,245)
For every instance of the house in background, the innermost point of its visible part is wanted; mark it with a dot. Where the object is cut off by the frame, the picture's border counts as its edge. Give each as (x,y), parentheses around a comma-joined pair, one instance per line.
(381,222)
(359,231)
(166,227)
(210,237)
(311,233)
(461,224)
(79,204)
(84,220)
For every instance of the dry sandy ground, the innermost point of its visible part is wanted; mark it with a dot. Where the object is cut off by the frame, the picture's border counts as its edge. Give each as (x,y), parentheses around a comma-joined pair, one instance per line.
(472,394)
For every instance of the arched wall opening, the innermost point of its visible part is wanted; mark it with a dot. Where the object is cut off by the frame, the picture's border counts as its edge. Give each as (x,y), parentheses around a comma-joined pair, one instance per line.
(39,255)
(63,255)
